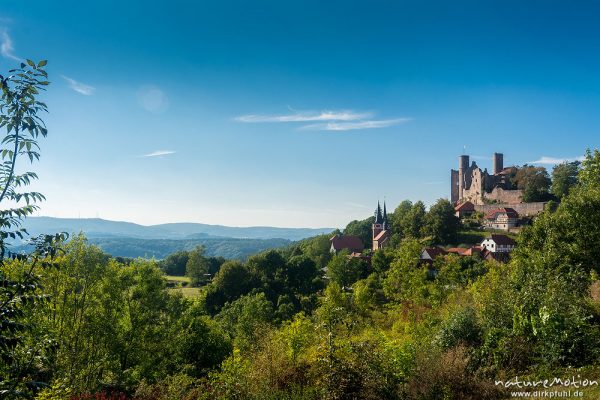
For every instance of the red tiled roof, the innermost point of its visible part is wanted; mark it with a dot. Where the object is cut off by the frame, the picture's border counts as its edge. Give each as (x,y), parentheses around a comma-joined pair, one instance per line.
(435,251)
(510,213)
(381,235)
(466,206)
(352,243)
(461,251)
(458,250)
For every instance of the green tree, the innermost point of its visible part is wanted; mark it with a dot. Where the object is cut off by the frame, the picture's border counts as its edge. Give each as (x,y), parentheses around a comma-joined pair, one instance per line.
(345,270)
(232,281)
(196,266)
(441,223)
(19,293)
(175,264)
(534,181)
(399,217)
(302,275)
(244,318)
(564,177)
(589,176)
(405,280)
(413,222)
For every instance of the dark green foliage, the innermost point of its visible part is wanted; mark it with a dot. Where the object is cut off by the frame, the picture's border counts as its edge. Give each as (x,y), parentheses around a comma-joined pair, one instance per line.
(345,270)
(229,248)
(440,223)
(534,181)
(175,263)
(302,275)
(231,282)
(203,346)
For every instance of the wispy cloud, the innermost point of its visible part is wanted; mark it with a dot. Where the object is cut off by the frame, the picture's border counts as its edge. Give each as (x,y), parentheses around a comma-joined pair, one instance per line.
(328,120)
(347,126)
(159,153)
(553,160)
(79,87)
(309,116)
(6,46)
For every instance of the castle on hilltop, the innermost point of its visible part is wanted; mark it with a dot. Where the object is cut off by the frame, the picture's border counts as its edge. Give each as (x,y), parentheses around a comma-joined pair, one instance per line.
(470,183)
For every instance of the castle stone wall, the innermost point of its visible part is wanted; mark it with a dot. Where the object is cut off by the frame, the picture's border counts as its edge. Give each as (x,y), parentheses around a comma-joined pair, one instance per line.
(505,196)
(524,209)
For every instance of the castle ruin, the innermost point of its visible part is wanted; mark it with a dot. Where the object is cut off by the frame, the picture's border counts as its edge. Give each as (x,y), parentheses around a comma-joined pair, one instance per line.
(470,183)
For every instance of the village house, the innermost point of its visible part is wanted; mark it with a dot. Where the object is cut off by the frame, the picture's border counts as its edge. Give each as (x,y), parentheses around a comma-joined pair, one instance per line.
(502,218)
(464,209)
(428,254)
(499,244)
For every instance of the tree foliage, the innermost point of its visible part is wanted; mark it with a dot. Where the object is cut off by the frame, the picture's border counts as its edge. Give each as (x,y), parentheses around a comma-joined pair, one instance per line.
(564,177)
(534,181)
(440,222)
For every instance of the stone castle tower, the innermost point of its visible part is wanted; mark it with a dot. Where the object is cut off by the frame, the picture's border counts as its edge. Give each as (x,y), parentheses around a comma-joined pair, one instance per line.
(470,183)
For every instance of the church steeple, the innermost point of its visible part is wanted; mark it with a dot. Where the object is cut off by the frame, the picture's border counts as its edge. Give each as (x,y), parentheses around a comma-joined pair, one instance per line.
(385,218)
(378,216)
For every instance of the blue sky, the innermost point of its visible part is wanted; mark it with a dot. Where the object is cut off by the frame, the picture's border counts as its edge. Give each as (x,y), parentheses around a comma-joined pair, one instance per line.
(297,113)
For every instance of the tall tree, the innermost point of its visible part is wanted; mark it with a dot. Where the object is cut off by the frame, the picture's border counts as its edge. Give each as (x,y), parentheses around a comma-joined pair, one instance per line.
(414,220)
(564,177)
(441,223)
(399,216)
(534,181)
(197,266)
(19,109)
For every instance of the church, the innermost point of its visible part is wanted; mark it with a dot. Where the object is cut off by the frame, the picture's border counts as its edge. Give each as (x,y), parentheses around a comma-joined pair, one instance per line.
(381,236)
(381,228)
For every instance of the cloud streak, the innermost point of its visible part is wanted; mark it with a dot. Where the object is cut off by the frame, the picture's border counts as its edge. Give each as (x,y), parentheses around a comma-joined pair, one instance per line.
(553,160)
(79,87)
(158,153)
(306,117)
(6,46)
(348,126)
(328,120)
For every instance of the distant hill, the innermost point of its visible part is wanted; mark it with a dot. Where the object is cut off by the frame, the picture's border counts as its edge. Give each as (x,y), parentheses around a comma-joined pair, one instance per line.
(96,227)
(127,239)
(229,248)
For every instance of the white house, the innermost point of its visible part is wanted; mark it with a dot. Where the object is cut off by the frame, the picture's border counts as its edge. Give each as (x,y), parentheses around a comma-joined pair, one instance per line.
(499,244)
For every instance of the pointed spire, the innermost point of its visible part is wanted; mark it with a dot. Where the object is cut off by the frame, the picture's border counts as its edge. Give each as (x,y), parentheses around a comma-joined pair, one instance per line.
(385,219)
(378,216)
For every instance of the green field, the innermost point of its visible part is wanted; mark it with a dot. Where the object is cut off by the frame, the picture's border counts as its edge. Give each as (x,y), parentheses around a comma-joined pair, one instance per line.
(179,279)
(189,292)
